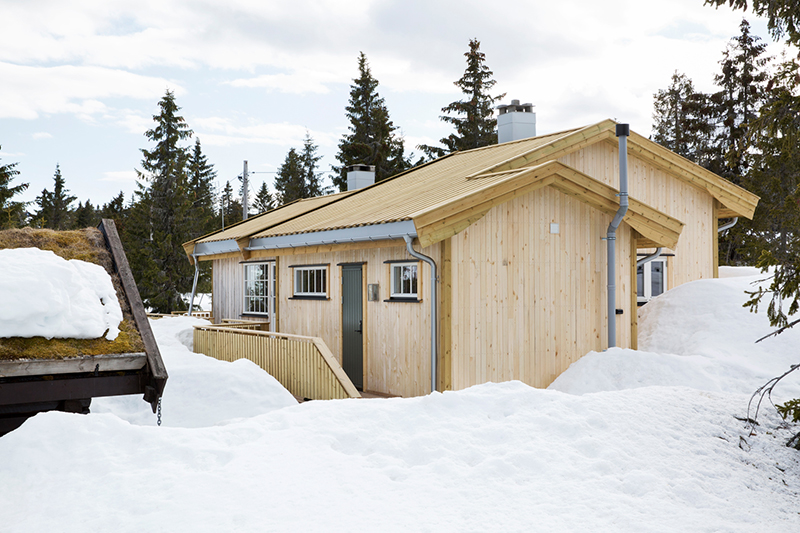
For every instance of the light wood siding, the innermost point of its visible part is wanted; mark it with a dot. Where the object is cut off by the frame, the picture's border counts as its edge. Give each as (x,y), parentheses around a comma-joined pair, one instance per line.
(227,299)
(694,255)
(397,334)
(527,303)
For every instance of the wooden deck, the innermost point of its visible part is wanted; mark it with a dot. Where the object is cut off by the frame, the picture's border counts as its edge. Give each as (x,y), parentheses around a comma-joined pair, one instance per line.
(304,365)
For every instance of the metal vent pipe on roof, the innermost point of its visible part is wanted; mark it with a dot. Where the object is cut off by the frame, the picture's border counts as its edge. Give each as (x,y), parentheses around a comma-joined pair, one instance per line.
(622,130)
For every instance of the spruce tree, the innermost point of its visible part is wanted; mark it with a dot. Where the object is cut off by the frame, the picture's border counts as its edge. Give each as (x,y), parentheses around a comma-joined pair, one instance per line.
(201,192)
(312,180)
(54,207)
(85,216)
(373,138)
(783,16)
(742,83)
(231,206)
(473,116)
(13,213)
(263,201)
(681,119)
(163,213)
(290,181)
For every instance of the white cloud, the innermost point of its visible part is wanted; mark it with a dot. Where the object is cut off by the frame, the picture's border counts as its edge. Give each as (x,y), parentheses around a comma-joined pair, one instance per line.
(27,92)
(219,131)
(41,135)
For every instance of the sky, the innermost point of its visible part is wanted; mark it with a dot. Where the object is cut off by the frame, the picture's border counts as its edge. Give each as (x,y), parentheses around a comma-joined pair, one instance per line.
(81,79)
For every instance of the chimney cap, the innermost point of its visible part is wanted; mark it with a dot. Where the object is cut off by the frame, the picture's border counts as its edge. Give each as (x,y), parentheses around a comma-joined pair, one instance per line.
(515,107)
(362,168)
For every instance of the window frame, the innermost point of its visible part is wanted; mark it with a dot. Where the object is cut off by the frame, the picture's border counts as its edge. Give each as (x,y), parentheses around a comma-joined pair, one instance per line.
(647,280)
(268,297)
(396,267)
(322,294)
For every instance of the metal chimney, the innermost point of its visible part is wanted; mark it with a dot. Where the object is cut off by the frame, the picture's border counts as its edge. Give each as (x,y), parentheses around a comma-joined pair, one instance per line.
(360,176)
(516,121)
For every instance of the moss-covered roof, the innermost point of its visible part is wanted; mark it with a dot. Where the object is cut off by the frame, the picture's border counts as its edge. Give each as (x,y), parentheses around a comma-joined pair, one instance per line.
(86,245)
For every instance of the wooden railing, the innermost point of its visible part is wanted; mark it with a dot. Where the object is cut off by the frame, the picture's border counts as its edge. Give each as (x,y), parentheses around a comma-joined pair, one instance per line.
(304,365)
(262,325)
(198,314)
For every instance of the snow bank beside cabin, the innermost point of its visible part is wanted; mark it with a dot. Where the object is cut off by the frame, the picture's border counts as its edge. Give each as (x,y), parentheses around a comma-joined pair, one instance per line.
(44,295)
(696,335)
(201,391)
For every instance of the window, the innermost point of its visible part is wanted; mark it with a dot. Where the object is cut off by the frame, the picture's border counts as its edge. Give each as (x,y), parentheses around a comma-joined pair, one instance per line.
(404,280)
(259,288)
(311,281)
(651,280)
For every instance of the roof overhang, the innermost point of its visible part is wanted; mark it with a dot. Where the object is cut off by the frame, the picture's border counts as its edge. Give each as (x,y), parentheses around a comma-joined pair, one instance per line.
(372,232)
(449,218)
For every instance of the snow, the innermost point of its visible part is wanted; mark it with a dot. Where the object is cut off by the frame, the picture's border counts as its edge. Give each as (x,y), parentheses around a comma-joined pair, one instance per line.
(45,295)
(624,441)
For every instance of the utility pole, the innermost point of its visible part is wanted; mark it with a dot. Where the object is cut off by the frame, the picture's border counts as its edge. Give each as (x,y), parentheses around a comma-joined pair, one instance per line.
(244,192)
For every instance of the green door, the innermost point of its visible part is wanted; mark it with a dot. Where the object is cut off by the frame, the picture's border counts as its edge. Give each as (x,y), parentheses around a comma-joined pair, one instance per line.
(352,324)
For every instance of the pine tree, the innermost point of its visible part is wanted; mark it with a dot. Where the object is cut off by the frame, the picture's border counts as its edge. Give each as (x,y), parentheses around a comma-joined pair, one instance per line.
(13,213)
(231,207)
(742,80)
(85,216)
(373,138)
(263,201)
(162,213)
(290,181)
(742,83)
(117,211)
(783,16)
(201,192)
(681,120)
(54,207)
(473,116)
(312,180)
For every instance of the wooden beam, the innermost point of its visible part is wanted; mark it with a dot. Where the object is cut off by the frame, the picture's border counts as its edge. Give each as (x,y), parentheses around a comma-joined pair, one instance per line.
(739,200)
(446,318)
(157,370)
(559,147)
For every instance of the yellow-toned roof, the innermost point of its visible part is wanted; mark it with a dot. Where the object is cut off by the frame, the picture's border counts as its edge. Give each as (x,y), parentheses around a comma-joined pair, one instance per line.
(256,223)
(400,197)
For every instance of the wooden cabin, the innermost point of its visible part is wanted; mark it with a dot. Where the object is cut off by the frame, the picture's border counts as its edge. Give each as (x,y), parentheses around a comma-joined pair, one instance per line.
(516,232)
(64,374)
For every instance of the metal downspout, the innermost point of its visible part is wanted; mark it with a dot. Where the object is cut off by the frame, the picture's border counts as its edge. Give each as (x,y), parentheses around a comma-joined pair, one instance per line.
(647,259)
(729,225)
(434,321)
(622,131)
(194,285)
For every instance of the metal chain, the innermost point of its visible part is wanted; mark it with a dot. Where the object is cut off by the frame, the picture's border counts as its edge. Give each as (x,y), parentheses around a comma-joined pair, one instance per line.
(159,411)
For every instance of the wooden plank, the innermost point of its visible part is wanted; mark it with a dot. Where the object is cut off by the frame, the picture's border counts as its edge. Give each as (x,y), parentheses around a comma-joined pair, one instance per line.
(158,371)
(715,240)
(73,365)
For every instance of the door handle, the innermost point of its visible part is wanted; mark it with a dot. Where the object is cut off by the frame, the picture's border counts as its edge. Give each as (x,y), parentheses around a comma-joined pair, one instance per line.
(360,326)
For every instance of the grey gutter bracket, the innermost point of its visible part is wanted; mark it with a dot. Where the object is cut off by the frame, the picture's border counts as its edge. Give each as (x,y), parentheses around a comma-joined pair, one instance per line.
(434,322)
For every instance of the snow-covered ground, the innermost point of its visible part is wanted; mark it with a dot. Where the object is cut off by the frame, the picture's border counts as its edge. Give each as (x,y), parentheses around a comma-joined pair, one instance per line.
(624,441)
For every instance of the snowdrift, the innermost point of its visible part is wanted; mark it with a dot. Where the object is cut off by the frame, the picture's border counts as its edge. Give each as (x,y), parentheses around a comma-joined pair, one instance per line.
(624,441)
